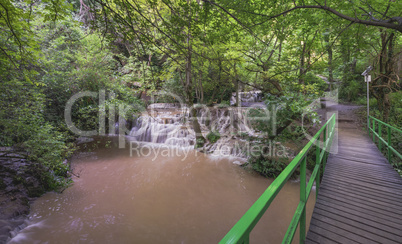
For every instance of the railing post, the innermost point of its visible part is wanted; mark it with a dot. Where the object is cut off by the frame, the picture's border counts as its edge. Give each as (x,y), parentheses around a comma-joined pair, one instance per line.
(373,131)
(317,162)
(324,159)
(302,224)
(379,134)
(368,126)
(389,143)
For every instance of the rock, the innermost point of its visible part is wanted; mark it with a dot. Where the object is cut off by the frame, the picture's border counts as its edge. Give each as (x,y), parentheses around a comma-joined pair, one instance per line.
(18,185)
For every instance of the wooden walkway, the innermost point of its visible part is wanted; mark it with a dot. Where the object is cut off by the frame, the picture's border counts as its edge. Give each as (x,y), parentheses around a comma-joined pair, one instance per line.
(360,198)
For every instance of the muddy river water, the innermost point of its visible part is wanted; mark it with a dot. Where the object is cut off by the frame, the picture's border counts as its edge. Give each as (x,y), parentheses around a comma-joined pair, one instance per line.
(157,197)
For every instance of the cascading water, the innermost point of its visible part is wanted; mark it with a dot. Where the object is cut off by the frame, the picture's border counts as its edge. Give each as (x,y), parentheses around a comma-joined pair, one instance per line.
(247,97)
(167,130)
(171,125)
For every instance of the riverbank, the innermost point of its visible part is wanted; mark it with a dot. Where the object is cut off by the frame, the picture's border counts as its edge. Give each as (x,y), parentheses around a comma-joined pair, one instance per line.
(19,185)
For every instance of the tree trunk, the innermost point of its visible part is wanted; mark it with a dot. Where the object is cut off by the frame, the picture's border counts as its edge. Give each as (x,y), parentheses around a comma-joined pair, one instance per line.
(382,86)
(200,140)
(280,51)
(329,50)
(201,88)
(301,72)
(330,74)
(238,100)
(345,51)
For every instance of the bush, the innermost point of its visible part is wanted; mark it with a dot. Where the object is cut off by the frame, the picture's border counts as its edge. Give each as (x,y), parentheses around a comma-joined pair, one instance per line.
(312,79)
(270,168)
(363,101)
(213,136)
(350,91)
(396,109)
(24,127)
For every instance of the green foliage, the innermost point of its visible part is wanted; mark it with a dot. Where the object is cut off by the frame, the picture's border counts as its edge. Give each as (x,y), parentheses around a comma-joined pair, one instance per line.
(23,126)
(42,65)
(362,100)
(282,111)
(199,143)
(294,133)
(352,90)
(78,62)
(269,168)
(179,47)
(213,136)
(319,85)
(396,109)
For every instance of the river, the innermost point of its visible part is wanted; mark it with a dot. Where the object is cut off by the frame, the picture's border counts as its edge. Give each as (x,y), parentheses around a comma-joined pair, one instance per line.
(158,197)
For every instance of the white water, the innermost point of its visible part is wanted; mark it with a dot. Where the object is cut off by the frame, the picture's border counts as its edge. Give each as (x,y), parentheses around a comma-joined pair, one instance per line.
(170,125)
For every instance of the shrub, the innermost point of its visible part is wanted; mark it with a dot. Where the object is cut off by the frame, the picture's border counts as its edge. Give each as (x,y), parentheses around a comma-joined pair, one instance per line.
(213,136)
(270,168)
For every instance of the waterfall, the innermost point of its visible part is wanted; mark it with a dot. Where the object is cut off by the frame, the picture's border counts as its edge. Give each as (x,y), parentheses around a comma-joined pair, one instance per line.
(164,128)
(170,125)
(247,98)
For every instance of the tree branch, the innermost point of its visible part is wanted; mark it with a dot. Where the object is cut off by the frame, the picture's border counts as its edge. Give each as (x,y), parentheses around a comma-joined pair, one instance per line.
(389,24)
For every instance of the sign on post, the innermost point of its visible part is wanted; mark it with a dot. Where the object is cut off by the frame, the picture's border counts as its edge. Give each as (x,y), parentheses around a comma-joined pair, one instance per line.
(367,79)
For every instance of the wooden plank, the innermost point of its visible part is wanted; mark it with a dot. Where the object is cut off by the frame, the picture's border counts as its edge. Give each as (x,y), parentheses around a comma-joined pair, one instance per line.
(352,162)
(321,234)
(379,177)
(367,161)
(370,195)
(366,200)
(360,167)
(356,188)
(350,201)
(311,241)
(365,215)
(345,150)
(365,181)
(348,224)
(362,184)
(359,162)
(365,177)
(355,161)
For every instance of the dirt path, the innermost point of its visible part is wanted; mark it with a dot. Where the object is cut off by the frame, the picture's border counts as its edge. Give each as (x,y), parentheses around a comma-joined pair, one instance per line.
(346,113)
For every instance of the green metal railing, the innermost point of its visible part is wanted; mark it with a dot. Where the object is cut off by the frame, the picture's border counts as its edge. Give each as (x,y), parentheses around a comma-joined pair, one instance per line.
(323,139)
(387,142)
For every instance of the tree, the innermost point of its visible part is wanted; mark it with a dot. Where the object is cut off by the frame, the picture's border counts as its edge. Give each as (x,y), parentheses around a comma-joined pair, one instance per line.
(377,13)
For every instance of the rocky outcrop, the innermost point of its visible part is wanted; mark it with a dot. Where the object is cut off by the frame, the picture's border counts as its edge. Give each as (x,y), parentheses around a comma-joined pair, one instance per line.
(19,185)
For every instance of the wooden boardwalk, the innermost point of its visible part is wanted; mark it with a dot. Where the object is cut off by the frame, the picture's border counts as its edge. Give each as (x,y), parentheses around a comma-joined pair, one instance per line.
(360,197)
